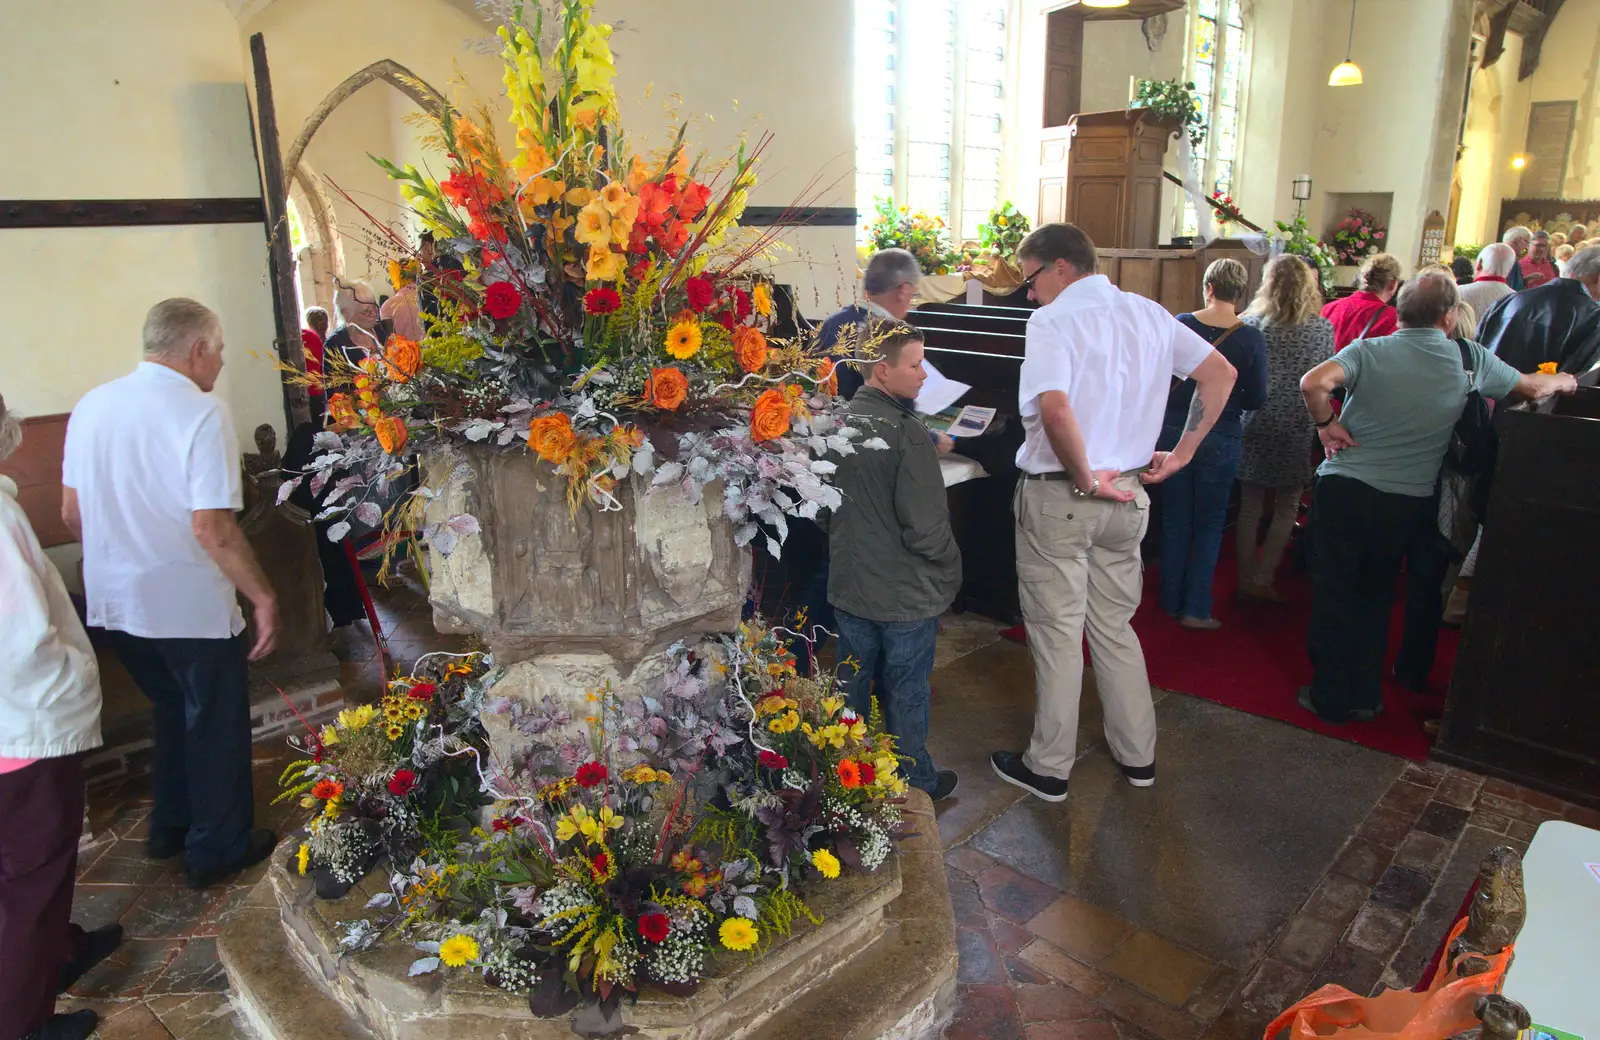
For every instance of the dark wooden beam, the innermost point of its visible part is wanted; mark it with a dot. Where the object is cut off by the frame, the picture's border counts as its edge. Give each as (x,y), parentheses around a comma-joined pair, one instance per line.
(296,405)
(63,213)
(1533,39)
(811,216)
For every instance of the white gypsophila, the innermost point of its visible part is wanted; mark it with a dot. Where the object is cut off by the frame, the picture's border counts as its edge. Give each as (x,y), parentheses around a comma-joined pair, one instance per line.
(556,904)
(875,847)
(794,780)
(344,849)
(509,971)
(682,957)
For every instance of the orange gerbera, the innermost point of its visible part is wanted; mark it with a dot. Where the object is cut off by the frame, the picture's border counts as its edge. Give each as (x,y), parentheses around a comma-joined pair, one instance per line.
(404,357)
(666,389)
(751,348)
(392,434)
(326,789)
(769,417)
(342,412)
(553,437)
(849,773)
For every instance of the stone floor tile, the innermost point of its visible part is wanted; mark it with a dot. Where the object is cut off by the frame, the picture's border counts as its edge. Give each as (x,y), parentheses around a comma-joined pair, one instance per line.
(1460,790)
(1539,800)
(1402,888)
(1424,852)
(1407,798)
(968,860)
(985,1013)
(1338,898)
(1055,963)
(1128,1031)
(1351,967)
(1021,973)
(94,906)
(196,969)
(200,1016)
(163,913)
(1014,896)
(979,960)
(1158,967)
(1386,827)
(1363,861)
(1089,1029)
(1149,1014)
(1519,831)
(1215,993)
(965,901)
(1056,1003)
(1425,774)
(1274,987)
(136,964)
(1307,941)
(1378,930)
(1081,929)
(124,863)
(131,1021)
(1008,937)
(1444,820)
(1236,1023)
(1489,821)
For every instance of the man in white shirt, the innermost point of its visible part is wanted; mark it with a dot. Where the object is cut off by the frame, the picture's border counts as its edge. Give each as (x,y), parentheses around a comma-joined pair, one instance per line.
(1095,373)
(151,482)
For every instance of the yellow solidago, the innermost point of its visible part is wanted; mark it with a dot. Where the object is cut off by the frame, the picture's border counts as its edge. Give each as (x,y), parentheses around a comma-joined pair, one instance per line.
(302,858)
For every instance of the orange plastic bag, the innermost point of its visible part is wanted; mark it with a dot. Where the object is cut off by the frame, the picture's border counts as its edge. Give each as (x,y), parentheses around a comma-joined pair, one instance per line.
(1444,1009)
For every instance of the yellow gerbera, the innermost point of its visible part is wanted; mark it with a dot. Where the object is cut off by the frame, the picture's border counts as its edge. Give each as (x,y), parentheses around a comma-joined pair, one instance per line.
(458,951)
(737,933)
(827,863)
(684,339)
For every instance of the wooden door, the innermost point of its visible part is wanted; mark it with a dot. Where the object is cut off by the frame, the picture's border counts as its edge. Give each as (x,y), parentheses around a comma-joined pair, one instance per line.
(1063,66)
(1054,145)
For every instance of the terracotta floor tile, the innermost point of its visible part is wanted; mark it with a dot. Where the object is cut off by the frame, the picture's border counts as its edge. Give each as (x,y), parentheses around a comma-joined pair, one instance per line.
(985,1013)
(201,1016)
(1053,962)
(1407,798)
(135,964)
(1215,993)
(1158,967)
(1379,931)
(1056,1003)
(1307,941)
(1274,987)
(131,1022)
(1021,973)
(1014,896)
(1337,898)
(1151,1015)
(1082,929)
(968,860)
(1460,790)
(1363,861)
(1089,1029)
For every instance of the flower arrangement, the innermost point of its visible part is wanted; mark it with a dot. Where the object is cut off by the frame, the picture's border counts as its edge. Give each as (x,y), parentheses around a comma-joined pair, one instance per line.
(1223,206)
(1357,236)
(1295,237)
(629,846)
(1003,232)
(1466,249)
(921,235)
(1173,100)
(604,310)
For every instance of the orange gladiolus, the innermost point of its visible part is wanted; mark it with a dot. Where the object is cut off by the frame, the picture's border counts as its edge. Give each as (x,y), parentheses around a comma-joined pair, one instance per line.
(553,437)
(666,389)
(769,417)
(750,346)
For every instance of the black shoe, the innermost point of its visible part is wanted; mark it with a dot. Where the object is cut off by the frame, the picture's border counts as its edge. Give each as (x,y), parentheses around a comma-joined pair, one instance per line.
(1410,682)
(165,842)
(1303,697)
(944,785)
(1139,776)
(76,1025)
(258,848)
(1008,767)
(98,945)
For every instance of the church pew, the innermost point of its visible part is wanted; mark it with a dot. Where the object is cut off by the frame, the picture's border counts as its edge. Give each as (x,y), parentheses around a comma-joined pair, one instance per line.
(1008,325)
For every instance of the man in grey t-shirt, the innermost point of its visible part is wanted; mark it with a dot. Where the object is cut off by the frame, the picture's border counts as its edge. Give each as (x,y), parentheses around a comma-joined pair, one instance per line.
(1375,492)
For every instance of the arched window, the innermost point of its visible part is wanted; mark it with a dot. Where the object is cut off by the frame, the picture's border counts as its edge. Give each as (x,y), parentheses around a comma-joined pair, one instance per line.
(1218,56)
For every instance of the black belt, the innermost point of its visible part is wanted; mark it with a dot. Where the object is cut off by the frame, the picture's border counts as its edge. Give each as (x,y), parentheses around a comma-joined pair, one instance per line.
(1058,474)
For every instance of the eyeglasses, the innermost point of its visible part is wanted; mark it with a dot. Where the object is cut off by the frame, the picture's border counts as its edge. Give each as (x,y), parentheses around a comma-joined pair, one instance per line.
(1027,283)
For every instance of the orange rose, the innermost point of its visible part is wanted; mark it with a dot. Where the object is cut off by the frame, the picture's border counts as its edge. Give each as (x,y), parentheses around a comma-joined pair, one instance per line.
(404,357)
(666,389)
(751,348)
(769,417)
(342,412)
(553,437)
(392,434)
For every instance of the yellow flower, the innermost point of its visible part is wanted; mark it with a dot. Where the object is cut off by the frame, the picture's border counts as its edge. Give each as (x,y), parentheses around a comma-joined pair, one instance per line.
(886,766)
(831,705)
(737,933)
(458,950)
(331,810)
(579,196)
(785,723)
(644,773)
(1000,220)
(684,339)
(1547,368)
(566,830)
(330,736)
(833,734)
(356,718)
(594,224)
(415,710)
(608,820)
(761,297)
(302,858)
(605,264)
(394,732)
(827,863)
(773,705)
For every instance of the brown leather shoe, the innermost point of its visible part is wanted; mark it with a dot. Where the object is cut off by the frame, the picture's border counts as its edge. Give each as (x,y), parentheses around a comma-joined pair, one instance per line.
(1204,624)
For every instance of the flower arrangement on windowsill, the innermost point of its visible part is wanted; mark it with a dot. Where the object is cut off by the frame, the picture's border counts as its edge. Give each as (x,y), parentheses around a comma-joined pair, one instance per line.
(1174,100)
(922,235)
(1003,232)
(625,847)
(1357,236)
(600,308)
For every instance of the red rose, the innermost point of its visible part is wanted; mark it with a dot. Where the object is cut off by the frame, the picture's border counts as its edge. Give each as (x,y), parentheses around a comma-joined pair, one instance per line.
(402,782)
(603,300)
(772,760)
(501,300)
(868,773)
(591,773)
(699,291)
(422,691)
(655,927)
(741,304)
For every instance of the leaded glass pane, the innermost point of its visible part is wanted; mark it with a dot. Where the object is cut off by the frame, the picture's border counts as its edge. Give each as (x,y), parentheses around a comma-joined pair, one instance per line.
(1205,39)
(875,103)
(1208,7)
(931,41)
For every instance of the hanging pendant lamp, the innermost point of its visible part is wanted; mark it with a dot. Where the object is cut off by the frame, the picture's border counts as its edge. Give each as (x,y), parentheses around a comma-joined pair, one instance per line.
(1105,3)
(1347,73)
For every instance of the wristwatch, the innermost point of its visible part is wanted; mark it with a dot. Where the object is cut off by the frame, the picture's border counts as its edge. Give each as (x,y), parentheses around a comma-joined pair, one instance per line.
(1094,485)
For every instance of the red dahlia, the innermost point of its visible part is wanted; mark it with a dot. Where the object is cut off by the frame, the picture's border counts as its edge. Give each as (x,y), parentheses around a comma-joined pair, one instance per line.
(501,300)
(603,300)
(654,927)
(772,760)
(422,691)
(741,304)
(591,773)
(868,773)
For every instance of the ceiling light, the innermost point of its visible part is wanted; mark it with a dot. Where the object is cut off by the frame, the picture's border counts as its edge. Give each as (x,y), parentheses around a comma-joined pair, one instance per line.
(1518,161)
(1347,73)
(1105,3)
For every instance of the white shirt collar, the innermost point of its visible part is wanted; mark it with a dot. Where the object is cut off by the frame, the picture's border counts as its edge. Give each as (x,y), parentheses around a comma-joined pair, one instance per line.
(152,370)
(8,486)
(1082,291)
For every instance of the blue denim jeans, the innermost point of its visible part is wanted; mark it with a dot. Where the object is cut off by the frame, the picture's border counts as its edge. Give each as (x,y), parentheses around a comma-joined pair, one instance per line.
(901,653)
(1194,507)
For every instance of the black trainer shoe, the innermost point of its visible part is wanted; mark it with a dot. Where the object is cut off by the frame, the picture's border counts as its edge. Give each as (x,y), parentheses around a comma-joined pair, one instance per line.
(76,1025)
(258,848)
(1139,776)
(165,842)
(98,945)
(944,786)
(1008,767)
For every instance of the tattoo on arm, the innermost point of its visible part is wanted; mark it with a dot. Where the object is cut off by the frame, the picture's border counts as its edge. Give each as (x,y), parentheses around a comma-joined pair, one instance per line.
(1197,412)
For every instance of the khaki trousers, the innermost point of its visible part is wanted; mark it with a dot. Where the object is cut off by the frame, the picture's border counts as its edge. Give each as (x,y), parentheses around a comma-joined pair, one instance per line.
(1079,570)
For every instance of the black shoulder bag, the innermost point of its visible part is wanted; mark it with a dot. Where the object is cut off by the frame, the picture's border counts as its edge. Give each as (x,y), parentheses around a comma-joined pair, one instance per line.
(1474,445)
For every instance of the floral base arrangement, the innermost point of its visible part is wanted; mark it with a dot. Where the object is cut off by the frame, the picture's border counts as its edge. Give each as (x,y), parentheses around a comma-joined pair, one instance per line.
(1357,236)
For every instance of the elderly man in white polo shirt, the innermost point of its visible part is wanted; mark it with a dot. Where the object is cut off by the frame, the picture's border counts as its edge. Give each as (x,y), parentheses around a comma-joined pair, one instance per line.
(151,475)
(1095,373)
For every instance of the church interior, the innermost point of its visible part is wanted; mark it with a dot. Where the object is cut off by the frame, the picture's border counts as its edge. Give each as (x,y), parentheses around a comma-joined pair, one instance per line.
(274,158)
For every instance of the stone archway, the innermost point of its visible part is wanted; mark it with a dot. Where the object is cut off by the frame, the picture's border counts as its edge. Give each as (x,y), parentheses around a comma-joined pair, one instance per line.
(391,72)
(325,252)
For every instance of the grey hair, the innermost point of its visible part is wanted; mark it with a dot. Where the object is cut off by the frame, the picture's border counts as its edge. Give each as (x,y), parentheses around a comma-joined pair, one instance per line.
(347,299)
(1512,234)
(1585,264)
(10,432)
(1497,259)
(1424,301)
(173,324)
(889,269)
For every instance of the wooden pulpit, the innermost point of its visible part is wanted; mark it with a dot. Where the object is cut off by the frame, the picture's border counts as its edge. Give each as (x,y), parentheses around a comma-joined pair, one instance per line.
(1113,189)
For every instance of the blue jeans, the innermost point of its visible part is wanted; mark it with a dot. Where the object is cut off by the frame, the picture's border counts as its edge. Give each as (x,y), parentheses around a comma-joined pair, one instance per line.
(901,653)
(1194,507)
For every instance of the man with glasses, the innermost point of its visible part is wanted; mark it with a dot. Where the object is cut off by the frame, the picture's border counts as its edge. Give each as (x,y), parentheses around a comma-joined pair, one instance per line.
(1095,372)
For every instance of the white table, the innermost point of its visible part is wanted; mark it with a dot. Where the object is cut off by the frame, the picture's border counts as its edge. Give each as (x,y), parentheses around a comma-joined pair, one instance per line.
(1556,972)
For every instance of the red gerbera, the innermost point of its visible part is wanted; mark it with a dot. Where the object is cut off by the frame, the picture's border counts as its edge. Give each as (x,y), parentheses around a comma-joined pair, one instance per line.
(402,782)
(591,773)
(603,300)
(699,291)
(422,691)
(501,300)
(868,772)
(772,760)
(655,927)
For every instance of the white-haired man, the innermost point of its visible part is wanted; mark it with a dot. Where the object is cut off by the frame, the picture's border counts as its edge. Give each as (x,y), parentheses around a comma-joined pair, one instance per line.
(1488,285)
(151,482)
(1519,239)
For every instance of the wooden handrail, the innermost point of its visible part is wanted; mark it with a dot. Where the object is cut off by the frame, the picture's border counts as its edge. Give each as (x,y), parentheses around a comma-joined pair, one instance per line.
(1213,204)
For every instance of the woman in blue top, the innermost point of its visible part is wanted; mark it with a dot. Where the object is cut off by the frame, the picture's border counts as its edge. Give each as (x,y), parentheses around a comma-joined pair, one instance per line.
(1194,502)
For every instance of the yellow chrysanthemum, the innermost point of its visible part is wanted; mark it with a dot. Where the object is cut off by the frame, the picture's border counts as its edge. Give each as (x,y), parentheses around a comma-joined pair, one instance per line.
(785,723)
(827,863)
(684,339)
(458,951)
(737,933)
(302,858)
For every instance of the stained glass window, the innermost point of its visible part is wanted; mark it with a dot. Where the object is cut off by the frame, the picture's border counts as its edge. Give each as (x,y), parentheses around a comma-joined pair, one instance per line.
(1218,56)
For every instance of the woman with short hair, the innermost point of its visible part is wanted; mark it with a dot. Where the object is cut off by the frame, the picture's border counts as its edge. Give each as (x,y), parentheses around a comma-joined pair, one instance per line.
(1275,447)
(1367,312)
